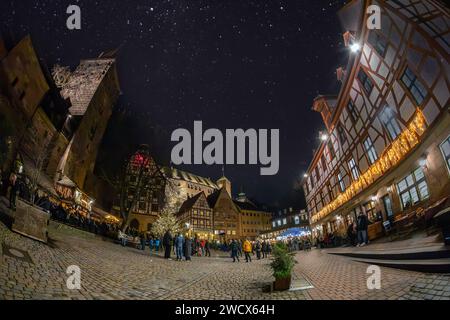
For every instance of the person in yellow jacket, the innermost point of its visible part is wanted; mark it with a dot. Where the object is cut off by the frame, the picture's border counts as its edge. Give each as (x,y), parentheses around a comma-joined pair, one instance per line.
(247,250)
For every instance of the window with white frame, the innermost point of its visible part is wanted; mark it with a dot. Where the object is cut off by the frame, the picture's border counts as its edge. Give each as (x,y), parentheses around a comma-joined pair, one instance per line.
(414,85)
(365,81)
(413,188)
(370,149)
(352,111)
(445,148)
(378,42)
(388,118)
(341,182)
(353,169)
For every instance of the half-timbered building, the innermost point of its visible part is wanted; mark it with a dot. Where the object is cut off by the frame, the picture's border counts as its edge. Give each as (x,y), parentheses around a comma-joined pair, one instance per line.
(387,146)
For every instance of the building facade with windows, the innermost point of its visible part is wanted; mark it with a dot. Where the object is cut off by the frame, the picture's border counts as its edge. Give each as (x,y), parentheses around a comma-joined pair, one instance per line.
(288,222)
(388,143)
(141,190)
(255,219)
(197,216)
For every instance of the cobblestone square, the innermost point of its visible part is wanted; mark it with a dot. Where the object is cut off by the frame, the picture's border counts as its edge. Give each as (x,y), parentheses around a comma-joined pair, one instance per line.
(109,271)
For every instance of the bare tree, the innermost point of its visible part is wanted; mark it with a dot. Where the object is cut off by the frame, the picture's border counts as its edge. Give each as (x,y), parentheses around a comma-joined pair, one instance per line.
(39,156)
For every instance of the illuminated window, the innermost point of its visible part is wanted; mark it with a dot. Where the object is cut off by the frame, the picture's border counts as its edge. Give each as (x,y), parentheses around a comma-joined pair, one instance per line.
(370,149)
(284,221)
(414,86)
(365,81)
(353,169)
(445,148)
(413,188)
(389,121)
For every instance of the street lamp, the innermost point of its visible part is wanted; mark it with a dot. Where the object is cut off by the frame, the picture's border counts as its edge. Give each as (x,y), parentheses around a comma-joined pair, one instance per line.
(355,47)
(305,175)
(324,137)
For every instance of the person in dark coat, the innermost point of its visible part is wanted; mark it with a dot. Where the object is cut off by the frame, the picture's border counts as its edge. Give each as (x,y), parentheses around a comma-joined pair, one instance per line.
(264,249)
(351,234)
(234,250)
(13,191)
(188,248)
(258,249)
(167,242)
(207,249)
(362,225)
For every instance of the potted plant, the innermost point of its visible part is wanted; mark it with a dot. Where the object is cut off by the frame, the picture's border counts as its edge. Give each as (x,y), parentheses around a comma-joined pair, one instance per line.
(282,264)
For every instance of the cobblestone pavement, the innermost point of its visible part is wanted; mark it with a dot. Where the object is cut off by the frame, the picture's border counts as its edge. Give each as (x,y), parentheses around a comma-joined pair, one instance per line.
(337,277)
(109,271)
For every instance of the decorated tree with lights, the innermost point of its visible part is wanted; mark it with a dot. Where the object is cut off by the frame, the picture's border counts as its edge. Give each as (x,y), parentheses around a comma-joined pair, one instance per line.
(168,221)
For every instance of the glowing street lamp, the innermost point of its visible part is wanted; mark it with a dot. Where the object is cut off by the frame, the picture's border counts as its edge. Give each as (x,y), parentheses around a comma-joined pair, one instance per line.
(324,137)
(355,47)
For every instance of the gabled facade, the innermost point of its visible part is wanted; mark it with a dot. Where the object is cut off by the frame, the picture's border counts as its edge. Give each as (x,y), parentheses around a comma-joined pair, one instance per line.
(196,214)
(389,128)
(227,218)
(143,191)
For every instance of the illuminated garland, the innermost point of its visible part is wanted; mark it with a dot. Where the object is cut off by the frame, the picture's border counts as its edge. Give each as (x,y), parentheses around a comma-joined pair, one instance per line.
(406,141)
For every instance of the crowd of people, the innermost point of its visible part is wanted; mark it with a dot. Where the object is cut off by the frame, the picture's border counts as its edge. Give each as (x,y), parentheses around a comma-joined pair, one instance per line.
(183,247)
(71,214)
(356,235)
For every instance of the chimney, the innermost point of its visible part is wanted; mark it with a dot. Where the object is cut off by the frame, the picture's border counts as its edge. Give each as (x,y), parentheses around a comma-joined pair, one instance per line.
(340,74)
(325,105)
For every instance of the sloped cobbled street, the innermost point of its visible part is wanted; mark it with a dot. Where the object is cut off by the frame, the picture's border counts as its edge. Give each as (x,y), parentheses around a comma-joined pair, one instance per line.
(32,270)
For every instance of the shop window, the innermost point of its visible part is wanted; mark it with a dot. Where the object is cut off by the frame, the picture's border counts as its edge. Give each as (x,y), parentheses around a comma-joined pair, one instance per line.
(370,149)
(366,82)
(413,188)
(445,148)
(388,206)
(414,85)
(389,121)
(370,211)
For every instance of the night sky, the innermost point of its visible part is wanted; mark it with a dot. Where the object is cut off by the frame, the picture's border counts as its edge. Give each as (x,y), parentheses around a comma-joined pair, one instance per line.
(230,63)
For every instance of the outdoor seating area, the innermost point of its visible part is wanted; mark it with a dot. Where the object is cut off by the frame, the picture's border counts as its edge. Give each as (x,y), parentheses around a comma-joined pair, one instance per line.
(419,219)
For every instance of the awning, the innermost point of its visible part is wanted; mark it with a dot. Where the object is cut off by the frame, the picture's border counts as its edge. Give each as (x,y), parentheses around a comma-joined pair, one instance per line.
(65,181)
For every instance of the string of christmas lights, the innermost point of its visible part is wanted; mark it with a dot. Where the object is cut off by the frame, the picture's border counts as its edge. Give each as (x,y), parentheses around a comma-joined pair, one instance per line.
(398,149)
